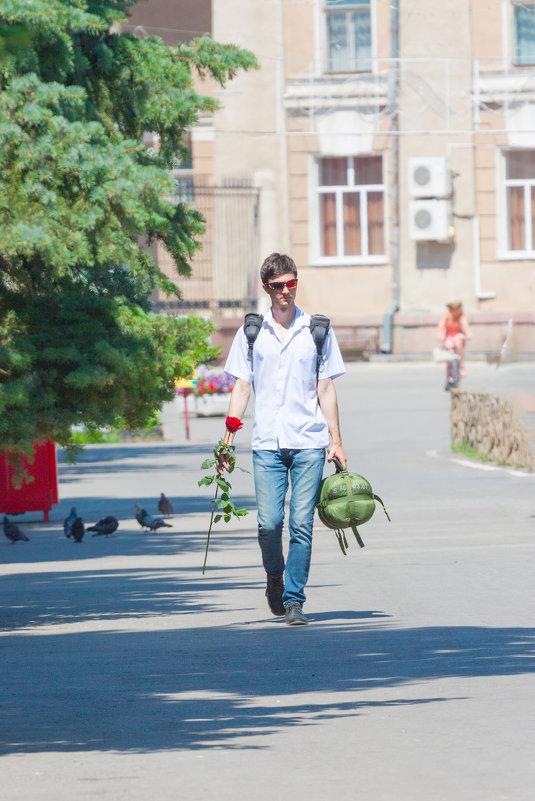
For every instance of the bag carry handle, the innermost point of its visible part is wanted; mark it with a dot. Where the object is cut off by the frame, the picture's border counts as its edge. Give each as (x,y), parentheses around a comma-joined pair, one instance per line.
(339,466)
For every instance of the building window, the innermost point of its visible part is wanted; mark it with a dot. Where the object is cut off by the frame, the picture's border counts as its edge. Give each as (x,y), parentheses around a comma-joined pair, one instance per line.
(351,207)
(349,35)
(184,188)
(520,191)
(524,17)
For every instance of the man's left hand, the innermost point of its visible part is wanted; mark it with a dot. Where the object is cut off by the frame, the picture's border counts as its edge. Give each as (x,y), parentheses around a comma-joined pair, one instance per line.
(338,452)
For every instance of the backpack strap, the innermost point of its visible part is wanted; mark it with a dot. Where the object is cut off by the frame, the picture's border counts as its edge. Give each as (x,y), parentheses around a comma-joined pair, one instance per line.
(342,541)
(251,327)
(357,536)
(377,498)
(319,326)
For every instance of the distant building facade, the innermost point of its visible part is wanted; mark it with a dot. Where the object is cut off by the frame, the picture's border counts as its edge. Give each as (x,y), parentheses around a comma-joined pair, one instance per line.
(389,148)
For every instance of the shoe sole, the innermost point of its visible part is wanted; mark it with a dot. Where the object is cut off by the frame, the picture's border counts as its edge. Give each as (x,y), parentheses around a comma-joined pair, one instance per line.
(304,622)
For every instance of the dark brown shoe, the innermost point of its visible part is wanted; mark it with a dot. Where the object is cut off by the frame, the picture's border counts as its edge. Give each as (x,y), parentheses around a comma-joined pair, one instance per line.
(274,590)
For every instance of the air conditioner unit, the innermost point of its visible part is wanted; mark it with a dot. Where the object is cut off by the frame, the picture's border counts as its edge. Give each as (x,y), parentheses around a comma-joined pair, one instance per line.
(430,220)
(428,177)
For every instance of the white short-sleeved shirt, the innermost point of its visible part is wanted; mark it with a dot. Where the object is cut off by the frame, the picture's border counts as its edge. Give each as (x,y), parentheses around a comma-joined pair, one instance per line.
(283,375)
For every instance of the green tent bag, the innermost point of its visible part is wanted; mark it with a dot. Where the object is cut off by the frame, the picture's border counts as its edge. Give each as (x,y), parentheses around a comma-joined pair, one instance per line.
(346,500)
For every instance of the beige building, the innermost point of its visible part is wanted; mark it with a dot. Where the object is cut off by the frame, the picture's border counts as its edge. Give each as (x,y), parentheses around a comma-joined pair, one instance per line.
(390,149)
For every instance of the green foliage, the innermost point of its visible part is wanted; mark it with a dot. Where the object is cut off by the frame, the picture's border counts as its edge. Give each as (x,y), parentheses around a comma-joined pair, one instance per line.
(13,40)
(80,198)
(83,435)
(96,436)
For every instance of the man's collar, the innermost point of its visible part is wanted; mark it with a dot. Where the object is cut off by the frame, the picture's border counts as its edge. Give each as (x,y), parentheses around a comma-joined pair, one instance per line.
(297,321)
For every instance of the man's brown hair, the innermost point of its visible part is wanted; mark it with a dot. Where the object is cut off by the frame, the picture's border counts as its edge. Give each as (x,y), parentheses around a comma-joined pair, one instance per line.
(277,264)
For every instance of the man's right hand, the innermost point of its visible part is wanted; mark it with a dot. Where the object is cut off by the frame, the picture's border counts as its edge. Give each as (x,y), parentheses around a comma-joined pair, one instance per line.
(222,463)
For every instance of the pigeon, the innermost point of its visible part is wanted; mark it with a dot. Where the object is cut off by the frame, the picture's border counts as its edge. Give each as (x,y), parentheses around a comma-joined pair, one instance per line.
(105,527)
(77,530)
(164,505)
(141,514)
(67,523)
(149,521)
(13,532)
(157,522)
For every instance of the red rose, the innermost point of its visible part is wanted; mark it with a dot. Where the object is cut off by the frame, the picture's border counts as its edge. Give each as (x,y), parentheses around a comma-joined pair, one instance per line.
(233,424)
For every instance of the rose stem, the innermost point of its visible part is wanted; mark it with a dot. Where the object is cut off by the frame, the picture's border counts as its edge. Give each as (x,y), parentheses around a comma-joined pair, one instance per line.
(210,528)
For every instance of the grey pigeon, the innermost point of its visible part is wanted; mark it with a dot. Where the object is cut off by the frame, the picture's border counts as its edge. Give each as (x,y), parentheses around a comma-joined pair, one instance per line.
(105,527)
(143,517)
(141,514)
(77,530)
(67,523)
(13,532)
(164,505)
(157,522)
(149,521)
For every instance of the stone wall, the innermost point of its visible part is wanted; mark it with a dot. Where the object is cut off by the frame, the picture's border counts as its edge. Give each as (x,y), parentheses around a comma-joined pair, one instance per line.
(488,423)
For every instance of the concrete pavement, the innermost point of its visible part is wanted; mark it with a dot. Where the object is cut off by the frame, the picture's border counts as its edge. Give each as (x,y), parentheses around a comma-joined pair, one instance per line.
(126,673)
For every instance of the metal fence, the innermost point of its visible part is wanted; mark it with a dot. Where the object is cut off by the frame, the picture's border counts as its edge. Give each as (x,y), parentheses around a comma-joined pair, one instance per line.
(225,271)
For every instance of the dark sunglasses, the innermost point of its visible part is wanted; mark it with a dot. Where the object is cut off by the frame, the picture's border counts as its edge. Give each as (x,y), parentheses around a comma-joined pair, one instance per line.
(278,286)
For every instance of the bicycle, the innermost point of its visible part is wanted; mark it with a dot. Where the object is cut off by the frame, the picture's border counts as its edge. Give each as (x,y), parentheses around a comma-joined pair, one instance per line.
(453,369)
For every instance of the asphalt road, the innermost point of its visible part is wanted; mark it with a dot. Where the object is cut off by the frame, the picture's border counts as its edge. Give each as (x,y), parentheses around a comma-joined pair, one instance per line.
(126,673)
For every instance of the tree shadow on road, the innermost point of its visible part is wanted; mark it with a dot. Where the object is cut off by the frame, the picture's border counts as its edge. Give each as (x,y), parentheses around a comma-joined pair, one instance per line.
(84,669)
(227,686)
(89,594)
(134,456)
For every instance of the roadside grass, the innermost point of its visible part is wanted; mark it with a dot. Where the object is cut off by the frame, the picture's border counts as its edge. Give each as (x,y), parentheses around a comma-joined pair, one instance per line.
(472,453)
(84,436)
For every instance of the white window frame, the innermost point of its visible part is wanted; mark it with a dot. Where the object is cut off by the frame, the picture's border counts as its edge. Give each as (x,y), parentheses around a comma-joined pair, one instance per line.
(504,252)
(507,36)
(318,259)
(373,61)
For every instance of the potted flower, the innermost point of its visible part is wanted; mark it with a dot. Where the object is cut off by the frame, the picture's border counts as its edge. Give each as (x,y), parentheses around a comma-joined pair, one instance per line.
(211,394)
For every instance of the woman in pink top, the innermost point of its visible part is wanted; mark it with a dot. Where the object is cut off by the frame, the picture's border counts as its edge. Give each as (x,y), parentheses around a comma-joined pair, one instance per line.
(453,331)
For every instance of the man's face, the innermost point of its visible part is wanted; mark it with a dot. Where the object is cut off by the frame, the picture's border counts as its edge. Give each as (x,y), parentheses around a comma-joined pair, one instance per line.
(282,296)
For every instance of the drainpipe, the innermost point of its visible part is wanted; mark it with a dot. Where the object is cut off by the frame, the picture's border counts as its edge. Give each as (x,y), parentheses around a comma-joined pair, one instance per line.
(386,347)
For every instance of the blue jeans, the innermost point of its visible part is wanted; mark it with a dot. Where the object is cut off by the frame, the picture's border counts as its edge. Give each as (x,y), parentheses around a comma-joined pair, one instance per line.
(273,470)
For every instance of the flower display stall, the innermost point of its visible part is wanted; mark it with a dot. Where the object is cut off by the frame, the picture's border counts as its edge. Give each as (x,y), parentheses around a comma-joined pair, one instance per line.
(211,394)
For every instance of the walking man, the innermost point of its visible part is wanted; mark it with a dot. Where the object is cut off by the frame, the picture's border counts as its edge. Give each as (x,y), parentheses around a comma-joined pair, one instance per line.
(295,420)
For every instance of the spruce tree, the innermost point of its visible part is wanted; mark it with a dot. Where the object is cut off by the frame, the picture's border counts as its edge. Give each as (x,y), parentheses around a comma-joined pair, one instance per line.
(80,198)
